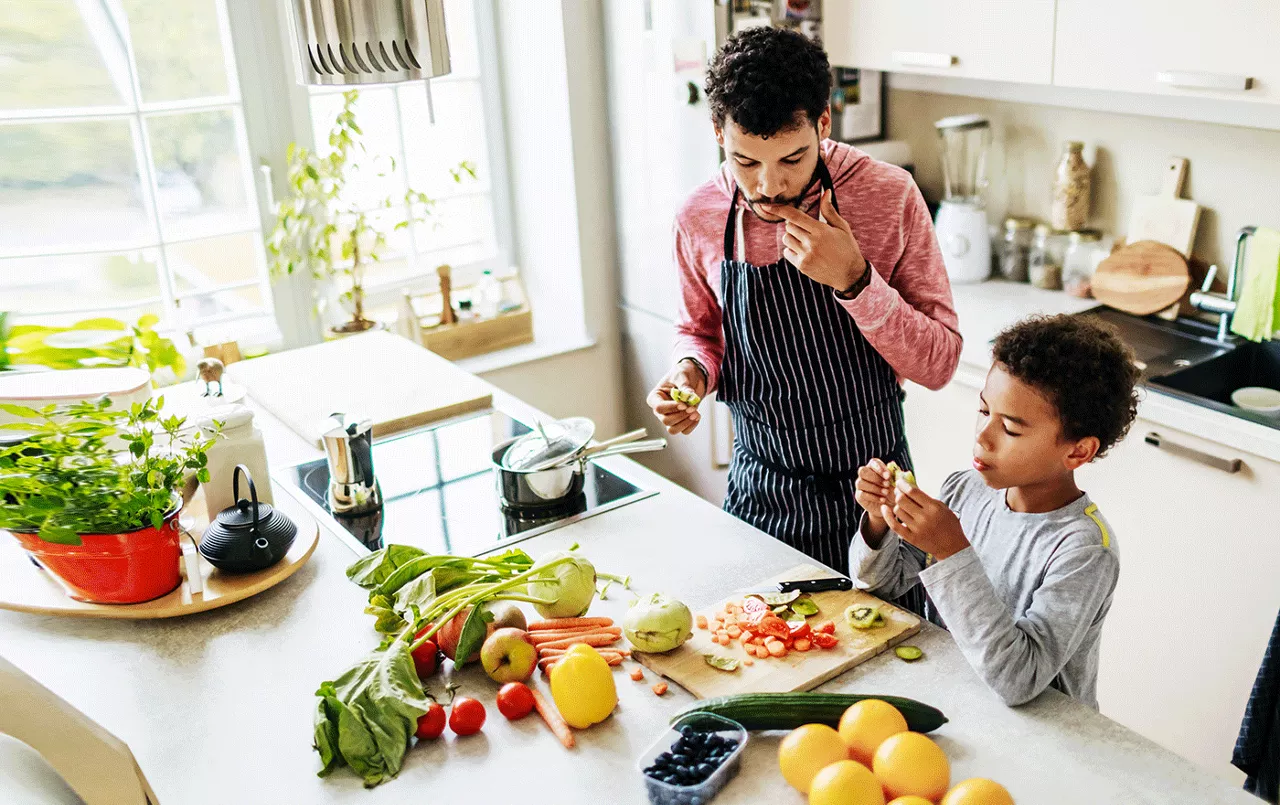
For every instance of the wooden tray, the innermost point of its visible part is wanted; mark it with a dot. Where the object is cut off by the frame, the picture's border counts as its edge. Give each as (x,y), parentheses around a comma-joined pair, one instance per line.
(798,670)
(27,588)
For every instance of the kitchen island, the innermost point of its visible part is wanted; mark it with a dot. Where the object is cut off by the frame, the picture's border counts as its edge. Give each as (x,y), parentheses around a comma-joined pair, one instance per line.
(217,707)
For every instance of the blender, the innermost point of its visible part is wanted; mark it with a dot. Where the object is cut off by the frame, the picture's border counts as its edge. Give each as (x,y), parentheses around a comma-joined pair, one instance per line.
(961,224)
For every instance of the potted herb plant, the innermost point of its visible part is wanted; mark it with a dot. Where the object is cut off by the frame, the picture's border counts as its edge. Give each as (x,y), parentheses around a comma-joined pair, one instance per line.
(92,494)
(321,228)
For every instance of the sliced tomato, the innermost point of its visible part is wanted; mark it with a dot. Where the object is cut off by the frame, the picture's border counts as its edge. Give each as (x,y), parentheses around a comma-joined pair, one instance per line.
(800,630)
(824,640)
(771,625)
(753,605)
(826,627)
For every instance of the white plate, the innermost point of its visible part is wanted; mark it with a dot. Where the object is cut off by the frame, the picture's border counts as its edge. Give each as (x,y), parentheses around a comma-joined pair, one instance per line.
(1258,399)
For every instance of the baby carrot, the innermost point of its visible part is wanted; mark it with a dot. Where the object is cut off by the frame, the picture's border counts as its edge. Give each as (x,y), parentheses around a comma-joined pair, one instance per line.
(553,718)
(568,623)
(590,640)
(637,673)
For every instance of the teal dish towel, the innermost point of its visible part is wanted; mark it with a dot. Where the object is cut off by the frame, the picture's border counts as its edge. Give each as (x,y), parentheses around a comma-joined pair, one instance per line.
(1258,311)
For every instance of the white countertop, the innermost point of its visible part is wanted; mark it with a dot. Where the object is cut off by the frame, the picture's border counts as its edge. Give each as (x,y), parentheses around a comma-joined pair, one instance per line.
(988,307)
(217,707)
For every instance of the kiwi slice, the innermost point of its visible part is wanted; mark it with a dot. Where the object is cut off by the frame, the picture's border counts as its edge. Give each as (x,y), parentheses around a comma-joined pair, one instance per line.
(908,653)
(864,617)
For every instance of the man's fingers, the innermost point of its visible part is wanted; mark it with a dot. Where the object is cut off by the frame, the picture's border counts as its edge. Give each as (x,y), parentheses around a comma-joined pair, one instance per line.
(870,474)
(801,236)
(792,216)
(793,243)
(830,213)
(795,258)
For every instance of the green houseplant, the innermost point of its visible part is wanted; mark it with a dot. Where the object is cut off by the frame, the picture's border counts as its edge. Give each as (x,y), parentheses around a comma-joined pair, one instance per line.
(91,493)
(320,228)
(90,343)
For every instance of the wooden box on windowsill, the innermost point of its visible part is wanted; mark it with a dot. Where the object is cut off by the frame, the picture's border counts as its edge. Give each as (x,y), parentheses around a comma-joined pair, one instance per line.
(467,337)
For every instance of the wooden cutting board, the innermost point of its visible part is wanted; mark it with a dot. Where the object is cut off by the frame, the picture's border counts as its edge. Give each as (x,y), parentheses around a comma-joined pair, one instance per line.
(1141,278)
(378,376)
(1167,217)
(687,667)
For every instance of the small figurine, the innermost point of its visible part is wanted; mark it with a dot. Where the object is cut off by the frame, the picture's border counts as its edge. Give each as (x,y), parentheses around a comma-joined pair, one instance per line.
(210,370)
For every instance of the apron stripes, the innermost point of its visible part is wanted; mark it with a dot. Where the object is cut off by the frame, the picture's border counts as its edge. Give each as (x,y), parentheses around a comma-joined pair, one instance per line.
(812,401)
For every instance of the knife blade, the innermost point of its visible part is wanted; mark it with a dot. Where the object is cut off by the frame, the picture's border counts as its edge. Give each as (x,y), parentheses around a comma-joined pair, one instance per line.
(803,585)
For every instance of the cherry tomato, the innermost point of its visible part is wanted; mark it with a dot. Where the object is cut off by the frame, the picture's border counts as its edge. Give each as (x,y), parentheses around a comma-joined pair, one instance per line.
(467,716)
(431,723)
(515,700)
(824,640)
(424,656)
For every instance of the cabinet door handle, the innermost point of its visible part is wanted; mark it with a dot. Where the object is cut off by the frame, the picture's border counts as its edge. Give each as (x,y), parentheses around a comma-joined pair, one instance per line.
(1199,80)
(911,58)
(1217,462)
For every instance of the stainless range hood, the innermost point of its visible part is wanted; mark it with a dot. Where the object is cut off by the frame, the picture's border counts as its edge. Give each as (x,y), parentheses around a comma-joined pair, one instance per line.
(359,42)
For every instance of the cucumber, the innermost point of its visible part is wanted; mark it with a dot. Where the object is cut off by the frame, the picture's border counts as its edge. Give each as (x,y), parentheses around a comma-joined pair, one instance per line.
(786,711)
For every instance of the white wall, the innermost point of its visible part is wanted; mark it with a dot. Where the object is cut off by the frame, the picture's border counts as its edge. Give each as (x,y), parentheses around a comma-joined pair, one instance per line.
(1234,171)
(552,65)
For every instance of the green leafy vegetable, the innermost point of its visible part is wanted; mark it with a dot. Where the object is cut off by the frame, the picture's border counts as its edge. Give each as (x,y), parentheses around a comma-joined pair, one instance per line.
(370,571)
(721,663)
(474,631)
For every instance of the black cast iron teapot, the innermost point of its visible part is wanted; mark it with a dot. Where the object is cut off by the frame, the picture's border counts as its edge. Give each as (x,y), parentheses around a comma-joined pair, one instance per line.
(248,536)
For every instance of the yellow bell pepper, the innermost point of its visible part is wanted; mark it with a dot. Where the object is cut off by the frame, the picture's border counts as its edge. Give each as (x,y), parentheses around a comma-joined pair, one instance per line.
(582,686)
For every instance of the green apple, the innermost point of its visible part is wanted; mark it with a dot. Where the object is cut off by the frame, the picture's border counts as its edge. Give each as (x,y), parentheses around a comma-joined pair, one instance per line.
(508,655)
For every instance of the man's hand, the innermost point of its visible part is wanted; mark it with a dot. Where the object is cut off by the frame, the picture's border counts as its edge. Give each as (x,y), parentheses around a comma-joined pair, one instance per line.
(678,417)
(872,492)
(925,522)
(825,252)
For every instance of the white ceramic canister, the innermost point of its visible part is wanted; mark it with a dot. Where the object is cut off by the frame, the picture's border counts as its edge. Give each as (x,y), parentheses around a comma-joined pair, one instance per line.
(239,443)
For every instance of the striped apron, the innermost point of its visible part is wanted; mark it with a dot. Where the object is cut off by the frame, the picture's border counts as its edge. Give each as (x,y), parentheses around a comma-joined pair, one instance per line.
(812,401)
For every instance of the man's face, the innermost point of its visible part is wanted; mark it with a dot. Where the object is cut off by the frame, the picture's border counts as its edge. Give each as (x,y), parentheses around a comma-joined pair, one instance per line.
(776,169)
(1019,439)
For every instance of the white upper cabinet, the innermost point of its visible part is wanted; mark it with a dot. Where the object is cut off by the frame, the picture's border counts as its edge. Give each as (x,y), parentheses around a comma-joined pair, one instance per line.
(1002,40)
(1226,49)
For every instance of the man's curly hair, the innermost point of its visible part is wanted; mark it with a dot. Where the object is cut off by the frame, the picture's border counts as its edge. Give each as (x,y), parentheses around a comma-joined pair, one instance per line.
(763,77)
(1082,366)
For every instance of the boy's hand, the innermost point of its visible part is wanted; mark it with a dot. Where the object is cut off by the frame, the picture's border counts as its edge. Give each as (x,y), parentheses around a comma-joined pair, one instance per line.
(872,494)
(925,522)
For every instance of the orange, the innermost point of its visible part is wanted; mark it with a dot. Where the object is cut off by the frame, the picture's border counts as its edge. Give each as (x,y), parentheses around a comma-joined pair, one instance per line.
(911,800)
(806,751)
(866,724)
(910,763)
(845,782)
(978,791)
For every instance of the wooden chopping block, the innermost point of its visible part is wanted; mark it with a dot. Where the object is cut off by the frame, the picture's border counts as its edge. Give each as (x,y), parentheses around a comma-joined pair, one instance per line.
(1142,278)
(1167,217)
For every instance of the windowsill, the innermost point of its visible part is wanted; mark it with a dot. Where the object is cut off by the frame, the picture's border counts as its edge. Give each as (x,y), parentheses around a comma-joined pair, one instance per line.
(539,350)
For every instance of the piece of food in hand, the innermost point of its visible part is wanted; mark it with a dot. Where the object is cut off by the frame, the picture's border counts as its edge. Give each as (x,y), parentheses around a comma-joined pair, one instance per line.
(897,475)
(657,623)
(431,723)
(466,717)
(862,616)
(684,396)
(508,655)
(582,687)
(515,700)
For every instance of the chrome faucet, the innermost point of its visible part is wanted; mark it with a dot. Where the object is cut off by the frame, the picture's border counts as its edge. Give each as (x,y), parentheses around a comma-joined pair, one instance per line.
(1224,305)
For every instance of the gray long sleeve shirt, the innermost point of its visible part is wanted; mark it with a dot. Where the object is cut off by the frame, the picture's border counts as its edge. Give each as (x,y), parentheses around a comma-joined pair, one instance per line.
(1025,603)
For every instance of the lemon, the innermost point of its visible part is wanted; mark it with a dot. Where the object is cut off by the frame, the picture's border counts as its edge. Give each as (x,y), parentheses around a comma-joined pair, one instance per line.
(911,800)
(910,763)
(582,686)
(845,782)
(978,791)
(866,725)
(806,751)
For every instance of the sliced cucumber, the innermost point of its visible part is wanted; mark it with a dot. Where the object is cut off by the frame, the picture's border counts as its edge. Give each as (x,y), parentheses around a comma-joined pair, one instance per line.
(908,653)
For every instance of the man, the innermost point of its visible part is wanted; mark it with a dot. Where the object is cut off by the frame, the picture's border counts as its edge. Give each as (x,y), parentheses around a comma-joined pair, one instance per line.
(811,284)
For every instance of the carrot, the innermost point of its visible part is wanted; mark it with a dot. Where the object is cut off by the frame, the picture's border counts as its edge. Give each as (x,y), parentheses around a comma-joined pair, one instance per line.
(590,640)
(803,644)
(547,663)
(544,652)
(553,718)
(660,688)
(777,649)
(762,652)
(552,624)
(748,661)
(637,673)
(734,632)
(539,638)
(702,621)
(716,625)
(747,637)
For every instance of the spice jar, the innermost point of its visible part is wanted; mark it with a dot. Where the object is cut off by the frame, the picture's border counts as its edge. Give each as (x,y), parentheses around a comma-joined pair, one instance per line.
(1078,262)
(1071,188)
(1015,250)
(1044,266)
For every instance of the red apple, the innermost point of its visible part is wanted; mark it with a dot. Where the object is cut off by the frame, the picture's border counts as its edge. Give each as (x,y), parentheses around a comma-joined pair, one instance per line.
(505,614)
(508,655)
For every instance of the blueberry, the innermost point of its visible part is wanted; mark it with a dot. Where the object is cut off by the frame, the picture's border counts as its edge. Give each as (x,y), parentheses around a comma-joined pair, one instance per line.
(705,770)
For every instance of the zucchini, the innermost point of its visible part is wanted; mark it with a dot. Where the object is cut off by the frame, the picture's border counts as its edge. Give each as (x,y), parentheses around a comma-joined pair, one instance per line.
(786,711)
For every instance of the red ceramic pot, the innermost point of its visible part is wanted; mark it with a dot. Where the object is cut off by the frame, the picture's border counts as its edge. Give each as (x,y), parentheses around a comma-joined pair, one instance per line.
(125,568)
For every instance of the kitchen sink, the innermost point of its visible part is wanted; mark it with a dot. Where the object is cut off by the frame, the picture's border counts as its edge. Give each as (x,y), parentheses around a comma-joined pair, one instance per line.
(1162,347)
(1211,382)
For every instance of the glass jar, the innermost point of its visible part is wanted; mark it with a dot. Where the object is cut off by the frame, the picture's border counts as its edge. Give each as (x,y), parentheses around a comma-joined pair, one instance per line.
(1078,262)
(1015,249)
(1071,188)
(1044,266)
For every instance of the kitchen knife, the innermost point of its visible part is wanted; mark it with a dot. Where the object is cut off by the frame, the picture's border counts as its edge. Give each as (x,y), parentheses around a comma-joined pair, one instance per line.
(804,586)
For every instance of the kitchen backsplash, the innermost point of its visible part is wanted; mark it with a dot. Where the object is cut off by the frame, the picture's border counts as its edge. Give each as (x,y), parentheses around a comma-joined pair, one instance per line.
(1234,172)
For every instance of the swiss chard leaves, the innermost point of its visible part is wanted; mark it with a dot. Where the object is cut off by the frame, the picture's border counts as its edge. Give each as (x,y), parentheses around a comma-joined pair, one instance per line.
(370,571)
(474,630)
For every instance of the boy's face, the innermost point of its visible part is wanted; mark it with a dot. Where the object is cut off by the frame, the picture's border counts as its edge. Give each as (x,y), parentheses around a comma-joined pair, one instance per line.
(1019,439)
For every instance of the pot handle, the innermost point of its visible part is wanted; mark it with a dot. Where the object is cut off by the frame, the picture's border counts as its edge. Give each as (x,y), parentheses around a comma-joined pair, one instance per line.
(253,491)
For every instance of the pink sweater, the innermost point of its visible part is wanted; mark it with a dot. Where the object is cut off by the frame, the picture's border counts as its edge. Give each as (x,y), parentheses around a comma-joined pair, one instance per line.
(906,312)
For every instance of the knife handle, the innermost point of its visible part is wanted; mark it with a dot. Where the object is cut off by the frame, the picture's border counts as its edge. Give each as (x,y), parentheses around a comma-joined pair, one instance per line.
(816,585)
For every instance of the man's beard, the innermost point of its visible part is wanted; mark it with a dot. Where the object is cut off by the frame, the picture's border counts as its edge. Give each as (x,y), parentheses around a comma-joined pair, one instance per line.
(790,201)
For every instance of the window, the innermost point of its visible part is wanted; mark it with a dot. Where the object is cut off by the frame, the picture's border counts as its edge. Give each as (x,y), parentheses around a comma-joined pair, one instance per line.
(125,180)
(427,131)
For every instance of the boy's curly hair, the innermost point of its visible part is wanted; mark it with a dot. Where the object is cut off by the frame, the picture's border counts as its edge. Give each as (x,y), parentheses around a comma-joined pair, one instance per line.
(763,77)
(1082,366)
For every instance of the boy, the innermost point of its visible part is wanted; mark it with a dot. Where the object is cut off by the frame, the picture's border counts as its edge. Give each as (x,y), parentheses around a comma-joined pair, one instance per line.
(1016,560)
